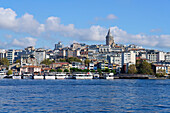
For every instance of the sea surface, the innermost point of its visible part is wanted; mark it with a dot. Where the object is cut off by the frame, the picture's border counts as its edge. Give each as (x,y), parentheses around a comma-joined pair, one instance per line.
(119,95)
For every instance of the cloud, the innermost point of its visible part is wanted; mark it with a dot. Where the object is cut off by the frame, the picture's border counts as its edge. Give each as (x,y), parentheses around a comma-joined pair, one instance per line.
(26,23)
(19,43)
(24,42)
(108,17)
(53,25)
(8,36)
(155,30)
(111,17)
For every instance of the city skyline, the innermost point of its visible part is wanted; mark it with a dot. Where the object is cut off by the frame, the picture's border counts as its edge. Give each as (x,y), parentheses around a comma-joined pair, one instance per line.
(43,24)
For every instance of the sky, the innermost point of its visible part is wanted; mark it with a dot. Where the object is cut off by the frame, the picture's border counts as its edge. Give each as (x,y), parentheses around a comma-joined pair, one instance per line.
(42,23)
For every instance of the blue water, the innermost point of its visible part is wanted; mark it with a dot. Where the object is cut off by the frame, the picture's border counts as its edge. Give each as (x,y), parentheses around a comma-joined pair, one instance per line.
(85,96)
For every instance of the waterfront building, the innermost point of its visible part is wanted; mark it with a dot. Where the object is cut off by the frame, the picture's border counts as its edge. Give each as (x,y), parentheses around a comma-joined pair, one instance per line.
(104,49)
(59,46)
(167,57)
(30,69)
(75,46)
(40,55)
(128,58)
(115,58)
(3,53)
(91,66)
(57,65)
(103,65)
(10,56)
(159,68)
(30,49)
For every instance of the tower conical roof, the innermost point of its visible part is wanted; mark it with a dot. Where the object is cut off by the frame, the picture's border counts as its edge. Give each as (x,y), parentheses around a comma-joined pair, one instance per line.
(109,33)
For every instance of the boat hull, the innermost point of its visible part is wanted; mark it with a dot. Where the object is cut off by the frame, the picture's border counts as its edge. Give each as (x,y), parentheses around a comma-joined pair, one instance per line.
(2,76)
(60,77)
(82,78)
(109,78)
(38,77)
(16,77)
(49,77)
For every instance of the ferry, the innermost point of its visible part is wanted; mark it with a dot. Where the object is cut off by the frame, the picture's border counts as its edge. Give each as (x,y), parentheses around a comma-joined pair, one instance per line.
(60,75)
(50,76)
(38,77)
(16,76)
(2,74)
(26,75)
(9,76)
(83,75)
(109,76)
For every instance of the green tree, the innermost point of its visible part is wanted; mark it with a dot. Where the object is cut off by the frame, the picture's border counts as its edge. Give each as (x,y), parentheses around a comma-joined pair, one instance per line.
(160,73)
(113,71)
(132,69)
(145,68)
(99,71)
(62,60)
(46,62)
(52,70)
(9,72)
(59,70)
(106,70)
(18,61)
(73,59)
(86,70)
(66,70)
(86,62)
(4,62)
(92,71)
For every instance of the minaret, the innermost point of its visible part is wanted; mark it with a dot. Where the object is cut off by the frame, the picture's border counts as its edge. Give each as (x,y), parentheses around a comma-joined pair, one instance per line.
(109,39)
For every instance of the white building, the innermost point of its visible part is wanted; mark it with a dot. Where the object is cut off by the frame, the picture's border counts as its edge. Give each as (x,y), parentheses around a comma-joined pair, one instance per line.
(161,56)
(167,57)
(116,58)
(11,56)
(91,66)
(152,56)
(59,46)
(155,56)
(128,58)
(3,53)
(40,55)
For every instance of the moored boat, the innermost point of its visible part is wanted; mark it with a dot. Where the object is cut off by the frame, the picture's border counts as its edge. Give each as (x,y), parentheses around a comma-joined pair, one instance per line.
(49,76)
(109,76)
(26,75)
(38,77)
(60,75)
(82,76)
(96,76)
(2,74)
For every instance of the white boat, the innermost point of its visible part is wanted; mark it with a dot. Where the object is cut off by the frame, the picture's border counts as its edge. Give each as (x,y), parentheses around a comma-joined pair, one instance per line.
(69,76)
(109,76)
(2,74)
(16,77)
(27,75)
(60,75)
(82,76)
(39,77)
(49,77)
(96,76)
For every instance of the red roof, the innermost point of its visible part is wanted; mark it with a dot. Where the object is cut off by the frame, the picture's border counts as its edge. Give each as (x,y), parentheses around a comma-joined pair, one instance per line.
(32,66)
(61,63)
